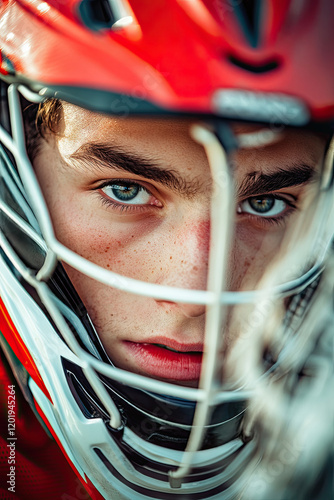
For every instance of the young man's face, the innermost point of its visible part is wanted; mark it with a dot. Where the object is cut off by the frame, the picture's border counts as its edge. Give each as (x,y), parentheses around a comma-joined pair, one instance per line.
(133,196)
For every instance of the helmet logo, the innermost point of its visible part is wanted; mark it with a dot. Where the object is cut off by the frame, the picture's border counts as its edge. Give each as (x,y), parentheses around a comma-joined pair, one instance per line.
(271,108)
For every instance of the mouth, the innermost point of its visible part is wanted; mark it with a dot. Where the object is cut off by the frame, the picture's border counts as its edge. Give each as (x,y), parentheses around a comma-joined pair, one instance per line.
(170,361)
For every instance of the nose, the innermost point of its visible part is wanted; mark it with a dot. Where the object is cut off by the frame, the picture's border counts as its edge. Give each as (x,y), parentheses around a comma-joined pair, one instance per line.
(187,264)
(191,310)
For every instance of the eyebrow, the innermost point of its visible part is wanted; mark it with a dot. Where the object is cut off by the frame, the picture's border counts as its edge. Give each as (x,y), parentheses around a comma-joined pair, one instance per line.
(100,156)
(256,183)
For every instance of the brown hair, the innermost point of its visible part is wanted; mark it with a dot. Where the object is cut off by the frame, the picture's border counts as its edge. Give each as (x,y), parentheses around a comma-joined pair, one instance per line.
(39,121)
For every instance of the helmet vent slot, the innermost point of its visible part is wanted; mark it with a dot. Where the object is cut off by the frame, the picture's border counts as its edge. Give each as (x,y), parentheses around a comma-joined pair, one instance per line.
(249,7)
(248,13)
(252,68)
(96,14)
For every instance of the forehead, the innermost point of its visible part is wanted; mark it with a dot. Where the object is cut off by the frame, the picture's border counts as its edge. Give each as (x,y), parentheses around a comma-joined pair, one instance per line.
(170,139)
(147,136)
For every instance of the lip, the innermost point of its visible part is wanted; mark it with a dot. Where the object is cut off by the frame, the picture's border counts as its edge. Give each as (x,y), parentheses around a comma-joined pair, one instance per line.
(160,362)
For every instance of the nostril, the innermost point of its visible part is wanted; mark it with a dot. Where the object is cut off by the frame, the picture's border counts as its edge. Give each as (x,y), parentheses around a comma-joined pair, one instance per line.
(187,310)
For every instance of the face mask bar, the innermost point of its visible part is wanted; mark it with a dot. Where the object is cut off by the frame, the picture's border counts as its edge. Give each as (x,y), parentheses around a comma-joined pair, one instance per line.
(221,223)
(208,393)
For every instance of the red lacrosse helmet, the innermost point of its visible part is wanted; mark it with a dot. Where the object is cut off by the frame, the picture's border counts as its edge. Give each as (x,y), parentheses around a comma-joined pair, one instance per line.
(190,57)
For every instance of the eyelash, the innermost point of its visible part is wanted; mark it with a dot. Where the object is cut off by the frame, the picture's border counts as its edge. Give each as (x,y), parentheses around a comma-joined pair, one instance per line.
(122,208)
(277,220)
(107,201)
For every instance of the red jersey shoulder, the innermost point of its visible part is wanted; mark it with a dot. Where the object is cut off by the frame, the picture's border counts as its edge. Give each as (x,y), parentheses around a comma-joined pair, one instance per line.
(31,463)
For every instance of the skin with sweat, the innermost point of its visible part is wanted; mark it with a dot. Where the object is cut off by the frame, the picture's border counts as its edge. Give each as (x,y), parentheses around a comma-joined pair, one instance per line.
(157,231)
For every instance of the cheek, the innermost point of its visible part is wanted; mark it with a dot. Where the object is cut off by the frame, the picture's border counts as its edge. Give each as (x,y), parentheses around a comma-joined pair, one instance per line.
(252,253)
(128,248)
(111,311)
